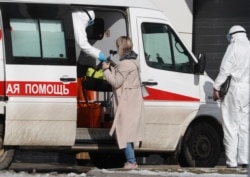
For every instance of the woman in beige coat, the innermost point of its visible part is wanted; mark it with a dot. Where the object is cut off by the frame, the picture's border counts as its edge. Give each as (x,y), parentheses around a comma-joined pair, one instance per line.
(128,124)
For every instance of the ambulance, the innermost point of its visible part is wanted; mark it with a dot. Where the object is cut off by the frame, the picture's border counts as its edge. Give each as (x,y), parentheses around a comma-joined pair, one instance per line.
(41,102)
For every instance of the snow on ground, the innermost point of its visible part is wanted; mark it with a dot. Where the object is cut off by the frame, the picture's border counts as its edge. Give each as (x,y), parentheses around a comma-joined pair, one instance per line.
(130,173)
(25,174)
(182,173)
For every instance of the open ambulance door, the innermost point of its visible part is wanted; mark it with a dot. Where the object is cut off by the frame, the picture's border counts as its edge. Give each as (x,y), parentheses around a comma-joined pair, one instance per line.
(40,74)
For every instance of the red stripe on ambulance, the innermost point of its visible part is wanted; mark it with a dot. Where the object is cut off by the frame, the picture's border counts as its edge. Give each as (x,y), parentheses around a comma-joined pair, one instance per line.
(1,88)
(167,96)
(28,88)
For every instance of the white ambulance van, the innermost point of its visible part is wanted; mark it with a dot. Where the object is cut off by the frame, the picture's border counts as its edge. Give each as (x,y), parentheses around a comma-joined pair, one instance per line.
(40,106)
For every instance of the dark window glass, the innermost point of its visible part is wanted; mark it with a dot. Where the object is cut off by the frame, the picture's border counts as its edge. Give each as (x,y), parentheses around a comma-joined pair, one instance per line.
(38,34)
(163,50)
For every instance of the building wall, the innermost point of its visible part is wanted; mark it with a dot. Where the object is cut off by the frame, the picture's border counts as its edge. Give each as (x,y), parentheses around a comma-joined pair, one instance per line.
(212,20)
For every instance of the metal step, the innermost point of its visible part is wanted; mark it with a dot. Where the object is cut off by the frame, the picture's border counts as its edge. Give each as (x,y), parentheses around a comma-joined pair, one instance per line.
(86,134)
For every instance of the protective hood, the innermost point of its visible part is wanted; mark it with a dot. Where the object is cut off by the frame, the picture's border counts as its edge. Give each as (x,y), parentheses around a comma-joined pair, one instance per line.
(86,17)
(236,32)
(80,22)
(91,16)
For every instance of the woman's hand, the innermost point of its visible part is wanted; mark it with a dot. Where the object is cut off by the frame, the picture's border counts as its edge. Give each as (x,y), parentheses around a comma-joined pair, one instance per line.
(105,65)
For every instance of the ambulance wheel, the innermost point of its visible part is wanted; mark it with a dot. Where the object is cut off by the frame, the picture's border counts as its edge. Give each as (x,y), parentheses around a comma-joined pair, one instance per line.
(6,155)
(201,146)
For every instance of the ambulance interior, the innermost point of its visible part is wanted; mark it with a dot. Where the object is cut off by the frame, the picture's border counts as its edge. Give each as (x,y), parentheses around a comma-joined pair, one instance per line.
(95,109)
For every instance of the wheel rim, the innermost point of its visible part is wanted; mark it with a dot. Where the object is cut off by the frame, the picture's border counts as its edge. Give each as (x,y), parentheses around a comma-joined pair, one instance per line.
(2,152)
(201,147)
(1,147)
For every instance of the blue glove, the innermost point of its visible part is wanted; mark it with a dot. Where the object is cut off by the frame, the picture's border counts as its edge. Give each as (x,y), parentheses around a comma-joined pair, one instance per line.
(102,57)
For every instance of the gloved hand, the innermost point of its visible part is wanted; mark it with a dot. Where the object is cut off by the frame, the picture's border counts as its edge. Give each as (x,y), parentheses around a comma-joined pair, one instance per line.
(102,57)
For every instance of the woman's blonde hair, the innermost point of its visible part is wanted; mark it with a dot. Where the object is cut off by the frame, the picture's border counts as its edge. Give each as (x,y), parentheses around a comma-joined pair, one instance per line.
(124,44)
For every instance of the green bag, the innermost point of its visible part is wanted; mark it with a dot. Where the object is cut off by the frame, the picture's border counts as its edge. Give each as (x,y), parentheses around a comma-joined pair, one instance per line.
(94,80)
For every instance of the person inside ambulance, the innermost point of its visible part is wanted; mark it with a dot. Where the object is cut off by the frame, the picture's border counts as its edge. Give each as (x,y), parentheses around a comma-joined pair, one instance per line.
(235,105)
(81,20)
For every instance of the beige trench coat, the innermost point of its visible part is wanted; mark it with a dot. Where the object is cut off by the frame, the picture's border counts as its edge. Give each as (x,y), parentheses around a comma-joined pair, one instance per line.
(128,123)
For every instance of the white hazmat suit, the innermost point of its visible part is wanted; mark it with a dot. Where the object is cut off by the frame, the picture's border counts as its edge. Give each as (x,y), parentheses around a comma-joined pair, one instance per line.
(235,105)
(81,20)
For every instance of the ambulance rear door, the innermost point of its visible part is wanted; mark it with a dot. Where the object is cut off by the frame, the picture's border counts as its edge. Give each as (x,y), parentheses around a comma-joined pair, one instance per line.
(40,73)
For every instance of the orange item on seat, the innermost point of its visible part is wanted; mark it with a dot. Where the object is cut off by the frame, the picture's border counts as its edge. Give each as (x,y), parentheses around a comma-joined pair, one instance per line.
(88,115)
(80,97)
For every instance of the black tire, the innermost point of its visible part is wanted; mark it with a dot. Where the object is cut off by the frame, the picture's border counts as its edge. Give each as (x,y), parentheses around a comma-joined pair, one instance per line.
(107,160)
(6,155)
(6,158)
(201,146)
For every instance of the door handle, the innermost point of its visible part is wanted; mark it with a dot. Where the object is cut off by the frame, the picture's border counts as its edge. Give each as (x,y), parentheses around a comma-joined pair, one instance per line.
(4,98)
(149,83)
(69,79)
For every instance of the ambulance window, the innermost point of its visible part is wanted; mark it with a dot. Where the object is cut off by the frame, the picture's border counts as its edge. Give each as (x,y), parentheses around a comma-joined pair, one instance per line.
(163,50)
(37,38)
(38,34)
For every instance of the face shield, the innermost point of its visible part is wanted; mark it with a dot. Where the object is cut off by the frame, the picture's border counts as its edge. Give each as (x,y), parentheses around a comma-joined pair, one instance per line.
(229,37)
(91,22)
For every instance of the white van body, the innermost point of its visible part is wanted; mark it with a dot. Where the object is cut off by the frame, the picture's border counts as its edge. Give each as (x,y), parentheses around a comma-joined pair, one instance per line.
(38,81)
(183,22)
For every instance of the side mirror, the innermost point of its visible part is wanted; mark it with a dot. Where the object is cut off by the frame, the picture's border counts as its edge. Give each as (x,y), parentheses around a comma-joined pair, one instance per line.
(201,64)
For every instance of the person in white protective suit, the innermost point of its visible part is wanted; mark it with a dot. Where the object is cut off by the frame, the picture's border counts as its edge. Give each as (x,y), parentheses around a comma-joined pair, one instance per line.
(81,20)
(235,105)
